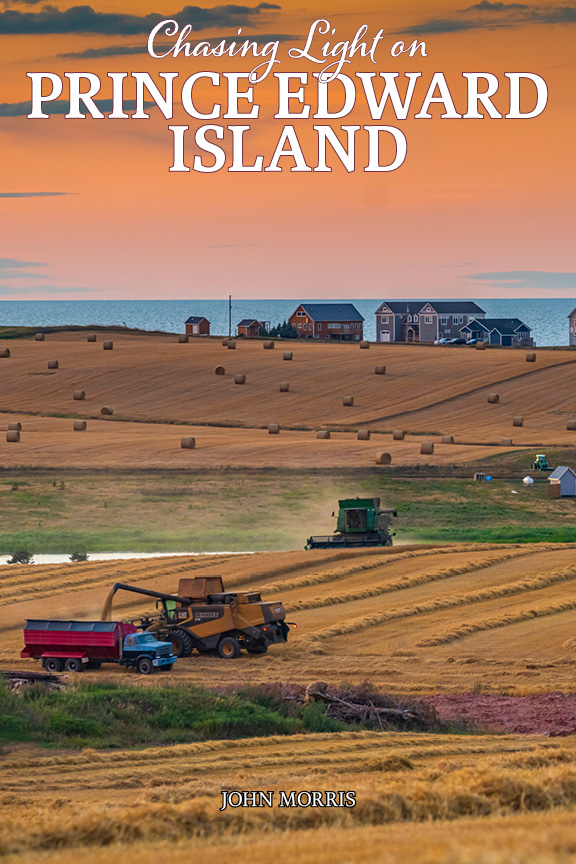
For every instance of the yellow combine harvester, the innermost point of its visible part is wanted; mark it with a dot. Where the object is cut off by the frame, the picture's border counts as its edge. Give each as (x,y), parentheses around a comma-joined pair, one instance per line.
(205,617)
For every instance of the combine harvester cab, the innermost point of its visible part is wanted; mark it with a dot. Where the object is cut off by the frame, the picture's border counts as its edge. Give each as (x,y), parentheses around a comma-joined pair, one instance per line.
(361,522)
(205,617)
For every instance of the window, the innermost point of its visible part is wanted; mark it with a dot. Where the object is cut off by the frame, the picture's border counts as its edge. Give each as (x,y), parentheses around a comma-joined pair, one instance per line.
(428,319)
(384,319)
(443,320)
(333,326)
(319,326)
(299,325)
(301,314)
(415,318)
(458,319)
(310,326)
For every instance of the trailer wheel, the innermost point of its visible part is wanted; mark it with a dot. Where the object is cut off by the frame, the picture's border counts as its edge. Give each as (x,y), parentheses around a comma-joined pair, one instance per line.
(53,664)
(73,664)
(182,644)
(229,648)
(145,666)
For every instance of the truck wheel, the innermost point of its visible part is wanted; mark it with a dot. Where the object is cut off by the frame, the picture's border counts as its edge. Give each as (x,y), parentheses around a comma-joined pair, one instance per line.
(53,664)
(182,644)
(145,666)
(229,648)
(73,664)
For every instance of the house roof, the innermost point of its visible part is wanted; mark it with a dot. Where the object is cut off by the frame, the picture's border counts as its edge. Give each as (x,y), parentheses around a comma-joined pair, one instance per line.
(249,322)
(196,319)
(504,326)
(332,311)
(445,307)
(560,471)
(402,307)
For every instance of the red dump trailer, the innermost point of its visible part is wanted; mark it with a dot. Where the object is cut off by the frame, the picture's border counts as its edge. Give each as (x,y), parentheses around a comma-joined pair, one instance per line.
(76,645)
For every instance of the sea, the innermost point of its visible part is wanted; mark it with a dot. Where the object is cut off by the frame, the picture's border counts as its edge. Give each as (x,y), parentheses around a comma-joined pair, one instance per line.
(548,318)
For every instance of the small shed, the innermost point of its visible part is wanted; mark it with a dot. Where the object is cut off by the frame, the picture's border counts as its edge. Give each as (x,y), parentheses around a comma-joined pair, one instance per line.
(197,326)
(250,328)
(566,478)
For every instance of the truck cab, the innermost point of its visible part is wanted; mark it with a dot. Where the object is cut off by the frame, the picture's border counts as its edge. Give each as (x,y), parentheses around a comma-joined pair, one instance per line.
(146,654)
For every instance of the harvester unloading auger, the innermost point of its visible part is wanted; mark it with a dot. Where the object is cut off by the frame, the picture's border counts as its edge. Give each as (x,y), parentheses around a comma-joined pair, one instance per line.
(361,522)
(205,617)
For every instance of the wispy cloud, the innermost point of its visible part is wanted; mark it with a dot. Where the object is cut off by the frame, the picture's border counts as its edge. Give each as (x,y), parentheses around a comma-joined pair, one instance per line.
(32,194)
(127,50)
(84,19)
(17,263)
(543,280)
(488,15)
(61,106)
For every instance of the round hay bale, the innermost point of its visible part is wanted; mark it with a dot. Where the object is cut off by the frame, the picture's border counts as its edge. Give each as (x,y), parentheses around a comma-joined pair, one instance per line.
(481,346)
(506,442)
(530,357)
(4,352)
(240,379)
(427,448)
(13,436)
(571,425)
(231,345)
(348,401)
(39,337)
(107,412)
(518,421)
(183,339)
(447,439)
(493,398)
(52,364)
(108,346)
(274,429)
(288,355)
(324,434)
(225,343)
(380,370)
(364,344)
(15,426)
(383,458)
(398,434)
(285,387)
(80,425)
(220,370)
(363,435)
(91,337)
(268,346)
(79,395)
(188,443)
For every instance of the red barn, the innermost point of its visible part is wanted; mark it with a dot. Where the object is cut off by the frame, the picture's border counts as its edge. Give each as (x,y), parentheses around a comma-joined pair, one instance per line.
(250,328)
(197,326)
(339,321)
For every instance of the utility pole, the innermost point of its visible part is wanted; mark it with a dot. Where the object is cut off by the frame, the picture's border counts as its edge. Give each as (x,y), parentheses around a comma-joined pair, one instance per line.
(229,315)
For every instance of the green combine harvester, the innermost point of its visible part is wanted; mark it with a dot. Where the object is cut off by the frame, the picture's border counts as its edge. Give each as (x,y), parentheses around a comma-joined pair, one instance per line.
(540,463)
(361,522)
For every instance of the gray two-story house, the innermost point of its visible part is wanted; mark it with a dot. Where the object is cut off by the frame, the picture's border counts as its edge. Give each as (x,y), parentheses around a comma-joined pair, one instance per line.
(424,321)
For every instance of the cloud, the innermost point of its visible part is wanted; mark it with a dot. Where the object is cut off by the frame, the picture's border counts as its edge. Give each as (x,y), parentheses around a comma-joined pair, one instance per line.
(32,194)
(545,280)
(487,6)
(53,290)
(61,106)
(495,15)
(126,50)
(84,19)
(17,263)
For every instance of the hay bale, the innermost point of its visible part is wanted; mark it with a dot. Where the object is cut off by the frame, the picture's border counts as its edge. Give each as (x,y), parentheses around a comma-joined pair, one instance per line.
(324,434)
(225,342)
(268,346)
(188,443)
(240,379)
(4,352)
(383,458)
(79,395)
(288,355)
(363,435)
(554,490)
(231,345)
(220,370)
(13,436)
(285,387)
(274,429)
(380,370)
(52,364)
(108,346)
(91,337)
(447,439)
(571,425)
(493,398)
(518,421)
(506,442)
(107,412)
(481,346)
(15,426)
(39,337)
(80,425)
(183,339)
(348,401)
(427,448)
(530,357)
(364,344)
(398,434)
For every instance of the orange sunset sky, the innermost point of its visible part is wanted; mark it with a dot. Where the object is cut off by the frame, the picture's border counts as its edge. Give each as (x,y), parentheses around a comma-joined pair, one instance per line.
(480,208)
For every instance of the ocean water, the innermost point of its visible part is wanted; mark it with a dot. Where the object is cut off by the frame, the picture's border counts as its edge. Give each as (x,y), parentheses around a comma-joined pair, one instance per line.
(547,317)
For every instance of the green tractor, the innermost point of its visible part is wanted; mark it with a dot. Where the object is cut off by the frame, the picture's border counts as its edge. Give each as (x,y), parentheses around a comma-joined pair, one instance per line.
(361,522)
(540,463)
